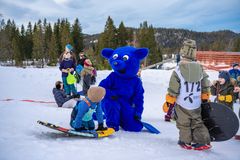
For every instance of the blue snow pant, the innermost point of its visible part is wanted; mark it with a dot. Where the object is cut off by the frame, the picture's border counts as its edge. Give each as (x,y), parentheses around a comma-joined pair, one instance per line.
(68,88)
(120,113)
(88,124)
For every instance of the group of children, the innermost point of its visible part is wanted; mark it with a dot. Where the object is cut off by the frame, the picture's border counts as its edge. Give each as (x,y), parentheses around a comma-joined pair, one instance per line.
(84,70)
(66,95)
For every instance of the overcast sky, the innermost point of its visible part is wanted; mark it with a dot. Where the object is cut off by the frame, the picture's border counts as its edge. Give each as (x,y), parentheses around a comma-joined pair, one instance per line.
(197,15)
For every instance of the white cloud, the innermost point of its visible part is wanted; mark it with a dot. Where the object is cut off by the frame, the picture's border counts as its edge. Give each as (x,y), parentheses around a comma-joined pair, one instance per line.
(61,2)
(200,15)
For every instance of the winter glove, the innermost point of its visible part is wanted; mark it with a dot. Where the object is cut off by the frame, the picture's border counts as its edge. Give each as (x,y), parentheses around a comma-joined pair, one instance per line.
(170,102)
(227,98)
(101,127)
(205,97)
(76,96)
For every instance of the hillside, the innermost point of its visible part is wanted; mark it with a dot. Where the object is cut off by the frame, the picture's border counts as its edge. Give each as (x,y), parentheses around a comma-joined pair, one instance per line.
(170,40)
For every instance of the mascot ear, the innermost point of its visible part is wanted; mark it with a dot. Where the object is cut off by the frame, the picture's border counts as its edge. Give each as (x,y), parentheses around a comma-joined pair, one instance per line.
(141,53)
(107,52)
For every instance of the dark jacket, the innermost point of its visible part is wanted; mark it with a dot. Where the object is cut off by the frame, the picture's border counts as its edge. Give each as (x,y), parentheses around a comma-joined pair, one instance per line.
(60,96)
(223,90)
(65,64)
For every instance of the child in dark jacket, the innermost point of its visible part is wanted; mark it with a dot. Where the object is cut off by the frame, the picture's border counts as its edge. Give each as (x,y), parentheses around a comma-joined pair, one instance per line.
(61,98)
(81,117)
(67,65)
(223,88)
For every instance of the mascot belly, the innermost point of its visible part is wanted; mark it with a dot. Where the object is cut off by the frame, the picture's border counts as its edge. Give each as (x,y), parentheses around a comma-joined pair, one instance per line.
(123,102)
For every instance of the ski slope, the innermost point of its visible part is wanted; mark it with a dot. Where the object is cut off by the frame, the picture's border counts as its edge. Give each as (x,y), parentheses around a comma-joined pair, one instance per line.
(22,138)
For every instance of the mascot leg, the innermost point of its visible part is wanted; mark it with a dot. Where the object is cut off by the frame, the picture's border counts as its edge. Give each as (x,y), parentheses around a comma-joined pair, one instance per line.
(128,122)
(111,110)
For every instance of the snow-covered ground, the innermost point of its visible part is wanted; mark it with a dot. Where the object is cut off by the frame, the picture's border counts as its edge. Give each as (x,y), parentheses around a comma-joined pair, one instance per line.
(22,138)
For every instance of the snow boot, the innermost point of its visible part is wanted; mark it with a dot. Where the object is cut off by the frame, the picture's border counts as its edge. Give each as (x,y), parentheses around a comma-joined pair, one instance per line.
(81,129)
(201,147)
(185,145)
(237,137)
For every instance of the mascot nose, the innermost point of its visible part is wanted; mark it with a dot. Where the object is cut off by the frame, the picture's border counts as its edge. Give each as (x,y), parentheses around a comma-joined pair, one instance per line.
(115,63)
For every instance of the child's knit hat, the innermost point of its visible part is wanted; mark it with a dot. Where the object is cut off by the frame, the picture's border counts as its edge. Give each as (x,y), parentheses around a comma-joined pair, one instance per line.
(235,64)
(87,63)
(68,48)
(95,94)
(225,75)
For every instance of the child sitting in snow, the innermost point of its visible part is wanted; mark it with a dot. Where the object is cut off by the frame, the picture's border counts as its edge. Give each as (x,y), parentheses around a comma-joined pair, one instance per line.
(223,88)
(188,87)
(67,65)
(81,117)
(61,98)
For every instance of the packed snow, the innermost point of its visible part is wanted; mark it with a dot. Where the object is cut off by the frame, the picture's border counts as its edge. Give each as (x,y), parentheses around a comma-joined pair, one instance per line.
(22,138)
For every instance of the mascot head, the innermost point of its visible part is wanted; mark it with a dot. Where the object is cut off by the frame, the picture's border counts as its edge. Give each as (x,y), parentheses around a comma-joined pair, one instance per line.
(125,61)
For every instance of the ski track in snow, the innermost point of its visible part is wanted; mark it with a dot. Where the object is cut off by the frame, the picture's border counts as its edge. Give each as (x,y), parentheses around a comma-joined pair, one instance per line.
(22,138)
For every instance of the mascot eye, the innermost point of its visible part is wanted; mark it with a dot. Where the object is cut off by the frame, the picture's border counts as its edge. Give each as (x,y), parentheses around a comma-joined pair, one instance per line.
(125,58)
(115,56)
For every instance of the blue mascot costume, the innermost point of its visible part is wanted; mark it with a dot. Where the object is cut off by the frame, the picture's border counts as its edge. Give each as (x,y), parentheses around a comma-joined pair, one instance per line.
(123,102)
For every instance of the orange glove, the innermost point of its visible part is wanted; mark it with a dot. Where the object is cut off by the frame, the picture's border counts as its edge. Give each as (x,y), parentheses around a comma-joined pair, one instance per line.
(170,100)
(205,97)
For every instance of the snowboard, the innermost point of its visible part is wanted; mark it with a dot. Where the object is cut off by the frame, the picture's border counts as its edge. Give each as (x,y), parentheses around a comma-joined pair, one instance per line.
(150,128)
(221,121)
(72,132)
(238,136)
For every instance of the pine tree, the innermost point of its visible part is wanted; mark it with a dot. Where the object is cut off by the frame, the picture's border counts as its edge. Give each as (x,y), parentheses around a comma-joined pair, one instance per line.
(47,40)
(108,39)
(53,51)
(65,33)
(2,40)
(122,35)
(56,32)
(146,38)
(109,36)
(9,35)
(77,36)
(38,44)
(16,44)
(29,41)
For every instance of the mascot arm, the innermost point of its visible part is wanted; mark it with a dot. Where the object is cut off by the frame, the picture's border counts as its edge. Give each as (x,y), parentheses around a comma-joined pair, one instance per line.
(107,83)
(138,100)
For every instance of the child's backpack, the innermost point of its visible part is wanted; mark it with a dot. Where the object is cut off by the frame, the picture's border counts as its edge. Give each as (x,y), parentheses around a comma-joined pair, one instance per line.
(79,69)
(71,79)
